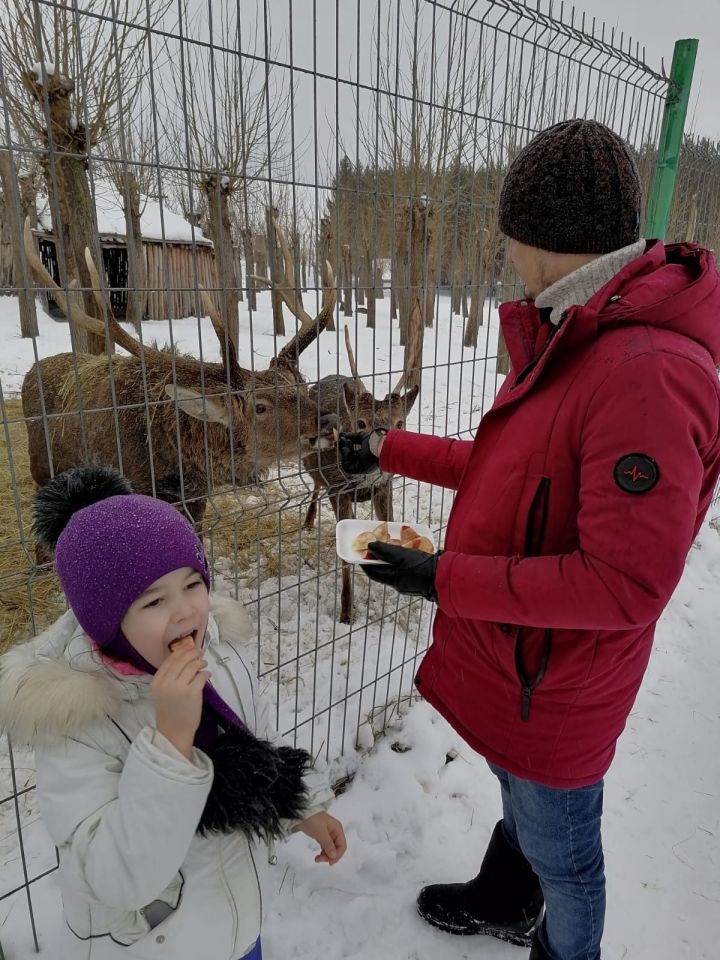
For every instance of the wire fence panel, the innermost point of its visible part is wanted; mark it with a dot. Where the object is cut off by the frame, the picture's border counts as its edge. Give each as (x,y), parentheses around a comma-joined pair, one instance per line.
(250,188)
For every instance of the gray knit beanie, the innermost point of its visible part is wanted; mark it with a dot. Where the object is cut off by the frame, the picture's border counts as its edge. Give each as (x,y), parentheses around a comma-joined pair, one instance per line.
(573,189)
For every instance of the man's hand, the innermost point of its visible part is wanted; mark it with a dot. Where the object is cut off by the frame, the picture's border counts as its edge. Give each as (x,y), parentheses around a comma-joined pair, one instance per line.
(408,571)
(177,689)
(360,452)
(329,834)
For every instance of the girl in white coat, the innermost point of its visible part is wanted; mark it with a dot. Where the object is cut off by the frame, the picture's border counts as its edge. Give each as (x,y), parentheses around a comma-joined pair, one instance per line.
(157,767)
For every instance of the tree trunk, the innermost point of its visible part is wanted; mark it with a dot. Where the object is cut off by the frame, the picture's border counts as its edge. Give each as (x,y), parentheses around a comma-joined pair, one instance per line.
(74,207)
(217,192)
(261,255)
(137,269)
(276,273)
(347,280)
(456,296)
(78,336)
(430,300)
(297,269)
(371,291)
(78,218)
(249,251)
(21,273)
(465,310)
(362,282)
(304,272)
(239,272)
(394,284)
(475,316)
(379,281)
(413,245)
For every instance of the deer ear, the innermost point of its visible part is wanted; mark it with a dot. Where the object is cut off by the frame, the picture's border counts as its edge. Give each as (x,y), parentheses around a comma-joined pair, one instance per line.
(349,396)
(410,397)
(195,405)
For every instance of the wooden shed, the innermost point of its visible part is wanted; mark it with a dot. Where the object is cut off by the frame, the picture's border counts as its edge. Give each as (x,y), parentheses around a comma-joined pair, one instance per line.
(179,259)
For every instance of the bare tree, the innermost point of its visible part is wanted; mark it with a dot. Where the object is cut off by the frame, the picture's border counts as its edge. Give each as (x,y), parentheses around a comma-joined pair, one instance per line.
(65,72)
(417,135)
(235,112)
(132,152)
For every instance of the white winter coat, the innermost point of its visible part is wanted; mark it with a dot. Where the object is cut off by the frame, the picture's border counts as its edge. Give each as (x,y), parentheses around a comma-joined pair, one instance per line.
(122,805)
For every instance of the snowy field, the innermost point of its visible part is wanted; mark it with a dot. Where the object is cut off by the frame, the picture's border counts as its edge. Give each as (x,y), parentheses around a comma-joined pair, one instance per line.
(411,817)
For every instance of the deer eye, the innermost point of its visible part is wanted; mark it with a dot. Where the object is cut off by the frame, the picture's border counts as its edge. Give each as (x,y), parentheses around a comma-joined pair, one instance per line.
(399,424)
(260,408)
(362,424)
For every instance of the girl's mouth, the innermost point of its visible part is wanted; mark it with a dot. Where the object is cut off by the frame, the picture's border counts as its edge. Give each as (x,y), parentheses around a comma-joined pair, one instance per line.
(177,640)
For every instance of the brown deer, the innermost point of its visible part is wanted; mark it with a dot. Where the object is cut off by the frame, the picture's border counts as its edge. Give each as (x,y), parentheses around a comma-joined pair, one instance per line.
(360,410)
(178,428)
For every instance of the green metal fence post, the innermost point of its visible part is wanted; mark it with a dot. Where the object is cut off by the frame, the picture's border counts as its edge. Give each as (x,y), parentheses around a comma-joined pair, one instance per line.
(671,137)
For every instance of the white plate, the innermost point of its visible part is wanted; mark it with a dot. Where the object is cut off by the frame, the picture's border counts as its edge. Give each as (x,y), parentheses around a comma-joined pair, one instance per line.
(347,530)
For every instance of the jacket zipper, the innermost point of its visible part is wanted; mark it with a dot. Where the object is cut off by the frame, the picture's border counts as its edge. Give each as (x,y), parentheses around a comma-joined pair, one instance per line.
(529,367)
(534,537)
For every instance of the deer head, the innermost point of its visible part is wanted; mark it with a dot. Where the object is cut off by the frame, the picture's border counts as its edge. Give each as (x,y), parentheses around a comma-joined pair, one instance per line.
(364,411)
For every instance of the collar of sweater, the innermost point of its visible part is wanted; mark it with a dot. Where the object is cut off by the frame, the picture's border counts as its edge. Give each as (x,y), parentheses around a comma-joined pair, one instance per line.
(579,286)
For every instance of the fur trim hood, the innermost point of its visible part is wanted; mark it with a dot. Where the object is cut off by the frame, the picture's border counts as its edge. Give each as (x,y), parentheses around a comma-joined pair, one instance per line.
(57,686)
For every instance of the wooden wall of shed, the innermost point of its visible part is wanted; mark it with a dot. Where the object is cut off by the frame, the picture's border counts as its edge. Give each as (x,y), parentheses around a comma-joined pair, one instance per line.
(174,274)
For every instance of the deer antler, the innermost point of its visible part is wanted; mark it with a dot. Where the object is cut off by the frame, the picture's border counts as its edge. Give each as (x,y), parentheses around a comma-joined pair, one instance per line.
(353,366)
(227,347)
(117,334)
(412,359)
(310,327)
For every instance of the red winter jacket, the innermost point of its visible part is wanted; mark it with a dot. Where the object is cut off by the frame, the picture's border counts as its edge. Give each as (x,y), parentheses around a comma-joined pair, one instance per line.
(576,506)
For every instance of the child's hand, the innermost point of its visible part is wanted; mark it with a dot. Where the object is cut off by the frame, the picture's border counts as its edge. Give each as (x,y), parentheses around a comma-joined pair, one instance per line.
(177,690)
(329,834)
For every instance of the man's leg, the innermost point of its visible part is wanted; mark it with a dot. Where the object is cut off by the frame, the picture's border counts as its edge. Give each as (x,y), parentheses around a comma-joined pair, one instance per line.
(508,818)
(559,833)
(504,900)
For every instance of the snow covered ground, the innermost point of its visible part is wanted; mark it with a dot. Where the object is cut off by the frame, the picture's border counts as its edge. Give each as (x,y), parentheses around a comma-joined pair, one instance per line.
(411,817)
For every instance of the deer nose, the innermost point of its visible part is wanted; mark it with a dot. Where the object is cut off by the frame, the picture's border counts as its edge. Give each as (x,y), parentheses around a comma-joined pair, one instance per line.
(329,422)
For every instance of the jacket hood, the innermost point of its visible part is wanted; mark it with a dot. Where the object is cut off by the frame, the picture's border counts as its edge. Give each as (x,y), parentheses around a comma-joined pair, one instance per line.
(57,686)
(674,287)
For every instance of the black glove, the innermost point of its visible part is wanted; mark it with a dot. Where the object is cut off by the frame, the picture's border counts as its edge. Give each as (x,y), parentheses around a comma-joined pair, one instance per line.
(408,571)
(359,451)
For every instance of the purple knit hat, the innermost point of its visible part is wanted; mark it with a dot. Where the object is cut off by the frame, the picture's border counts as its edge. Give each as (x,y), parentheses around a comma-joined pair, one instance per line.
(111,545)
(115,550)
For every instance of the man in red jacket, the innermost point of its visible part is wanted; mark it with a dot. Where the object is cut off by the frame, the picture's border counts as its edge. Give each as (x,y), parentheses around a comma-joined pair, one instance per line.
(576,505)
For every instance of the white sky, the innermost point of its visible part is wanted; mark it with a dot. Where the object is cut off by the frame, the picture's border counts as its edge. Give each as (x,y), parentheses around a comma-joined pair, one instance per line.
(656,25)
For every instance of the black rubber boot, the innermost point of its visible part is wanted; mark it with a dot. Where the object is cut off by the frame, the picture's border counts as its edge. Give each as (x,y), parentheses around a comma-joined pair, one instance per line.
(537,951)
(503,901)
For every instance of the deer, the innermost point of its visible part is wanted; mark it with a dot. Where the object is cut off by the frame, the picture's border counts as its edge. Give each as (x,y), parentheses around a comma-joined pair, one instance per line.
(178,428)
(360,410)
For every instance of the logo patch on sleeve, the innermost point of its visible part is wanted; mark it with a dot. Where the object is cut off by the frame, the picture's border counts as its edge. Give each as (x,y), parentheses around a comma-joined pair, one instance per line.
(636,473)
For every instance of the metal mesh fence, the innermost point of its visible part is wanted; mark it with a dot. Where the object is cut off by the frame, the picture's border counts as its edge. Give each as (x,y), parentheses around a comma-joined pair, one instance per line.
(256,168)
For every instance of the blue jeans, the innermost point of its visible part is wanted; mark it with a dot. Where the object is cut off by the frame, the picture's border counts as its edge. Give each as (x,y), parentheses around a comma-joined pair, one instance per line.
(558,831)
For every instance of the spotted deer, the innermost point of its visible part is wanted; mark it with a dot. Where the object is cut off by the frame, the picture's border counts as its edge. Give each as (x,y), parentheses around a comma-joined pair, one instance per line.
(359,409)
(178,428)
